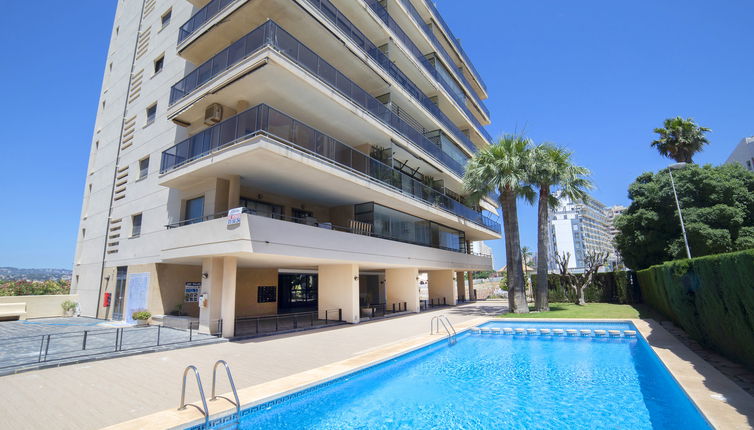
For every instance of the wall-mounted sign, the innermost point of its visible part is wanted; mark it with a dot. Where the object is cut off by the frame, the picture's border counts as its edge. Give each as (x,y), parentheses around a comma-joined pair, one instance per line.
(192,292)
(234,216)
(266,294)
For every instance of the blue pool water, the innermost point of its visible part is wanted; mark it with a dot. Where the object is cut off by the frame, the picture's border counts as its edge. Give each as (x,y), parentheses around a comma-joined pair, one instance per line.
(496,382)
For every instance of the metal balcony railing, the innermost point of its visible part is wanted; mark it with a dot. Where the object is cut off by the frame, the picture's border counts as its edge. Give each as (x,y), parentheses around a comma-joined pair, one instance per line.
(359,230)
(460,98)
(337,18)
(443,53)
(201,17)
(271,34)
(456,42)
(265,120)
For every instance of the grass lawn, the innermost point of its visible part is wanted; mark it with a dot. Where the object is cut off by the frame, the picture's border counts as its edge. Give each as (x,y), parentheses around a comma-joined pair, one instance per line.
(591,310)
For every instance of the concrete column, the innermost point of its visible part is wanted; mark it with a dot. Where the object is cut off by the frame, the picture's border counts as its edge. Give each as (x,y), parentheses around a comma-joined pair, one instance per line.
(338,286)
(212,287)
(461,286)
(234,191)
(402,285)
(442,286)
(470,281)
(228,304)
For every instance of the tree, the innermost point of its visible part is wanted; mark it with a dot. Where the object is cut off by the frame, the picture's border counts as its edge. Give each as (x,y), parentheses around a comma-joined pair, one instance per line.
(593,261)
(526,258)
(680,139)
(552,167)
(718,211)
(502,167)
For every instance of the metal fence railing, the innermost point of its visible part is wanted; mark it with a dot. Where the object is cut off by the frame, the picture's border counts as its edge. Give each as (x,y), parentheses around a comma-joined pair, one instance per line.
(281,323)
(45,348)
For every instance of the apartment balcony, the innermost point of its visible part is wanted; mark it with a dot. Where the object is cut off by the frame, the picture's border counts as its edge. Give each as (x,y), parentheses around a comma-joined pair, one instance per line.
(274,151)
(270,66)
(414,54)
(260,241)
(476,92)
(453,42)
(224,21)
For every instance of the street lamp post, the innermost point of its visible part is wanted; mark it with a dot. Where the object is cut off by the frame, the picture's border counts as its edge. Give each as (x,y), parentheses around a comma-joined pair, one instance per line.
(678,204)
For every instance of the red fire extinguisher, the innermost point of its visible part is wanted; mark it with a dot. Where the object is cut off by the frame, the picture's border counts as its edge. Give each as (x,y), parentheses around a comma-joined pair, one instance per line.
(106,301)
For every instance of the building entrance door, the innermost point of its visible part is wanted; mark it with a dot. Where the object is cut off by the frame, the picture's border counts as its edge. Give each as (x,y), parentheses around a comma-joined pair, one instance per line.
(297,292)
(120,293)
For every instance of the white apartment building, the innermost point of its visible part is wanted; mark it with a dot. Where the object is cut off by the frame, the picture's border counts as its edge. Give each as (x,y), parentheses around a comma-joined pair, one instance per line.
(262,157)
(577,228)
(743,154)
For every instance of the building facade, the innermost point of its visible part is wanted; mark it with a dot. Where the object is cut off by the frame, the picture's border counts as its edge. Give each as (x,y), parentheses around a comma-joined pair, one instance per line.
(743,154)
(260,157)
(577,228)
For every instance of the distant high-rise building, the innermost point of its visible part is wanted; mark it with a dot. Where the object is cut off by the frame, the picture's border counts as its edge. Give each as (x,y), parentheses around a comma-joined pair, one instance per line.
(578,228)
(743,153)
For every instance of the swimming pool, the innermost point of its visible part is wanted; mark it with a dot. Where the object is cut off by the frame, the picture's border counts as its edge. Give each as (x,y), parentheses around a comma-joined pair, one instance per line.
(495,381)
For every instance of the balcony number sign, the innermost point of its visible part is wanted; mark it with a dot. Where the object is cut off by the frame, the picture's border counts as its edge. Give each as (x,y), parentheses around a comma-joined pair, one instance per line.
(192,292)
(234,216)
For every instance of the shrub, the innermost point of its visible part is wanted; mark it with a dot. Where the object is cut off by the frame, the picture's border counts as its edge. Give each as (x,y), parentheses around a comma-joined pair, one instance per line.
(69,305)
(607,287)
(141,315)
(711,298)
(34,288)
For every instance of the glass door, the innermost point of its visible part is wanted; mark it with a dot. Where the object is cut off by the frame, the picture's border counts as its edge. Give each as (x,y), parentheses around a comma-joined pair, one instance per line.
(120,292)
(194,210)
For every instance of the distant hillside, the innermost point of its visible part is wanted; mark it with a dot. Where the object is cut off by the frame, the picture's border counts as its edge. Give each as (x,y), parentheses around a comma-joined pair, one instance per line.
(13,273)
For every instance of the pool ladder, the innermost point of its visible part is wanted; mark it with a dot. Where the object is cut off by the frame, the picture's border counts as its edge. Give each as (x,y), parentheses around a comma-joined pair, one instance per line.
(205,409)
(434,327)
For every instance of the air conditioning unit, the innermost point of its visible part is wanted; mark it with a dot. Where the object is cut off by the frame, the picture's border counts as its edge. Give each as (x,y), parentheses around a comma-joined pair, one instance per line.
(213,114)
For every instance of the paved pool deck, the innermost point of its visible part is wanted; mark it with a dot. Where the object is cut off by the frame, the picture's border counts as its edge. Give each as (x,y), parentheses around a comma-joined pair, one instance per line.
(102,393)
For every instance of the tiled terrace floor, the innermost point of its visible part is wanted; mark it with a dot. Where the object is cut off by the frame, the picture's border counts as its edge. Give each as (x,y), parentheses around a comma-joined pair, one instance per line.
(100,393)
(26,345)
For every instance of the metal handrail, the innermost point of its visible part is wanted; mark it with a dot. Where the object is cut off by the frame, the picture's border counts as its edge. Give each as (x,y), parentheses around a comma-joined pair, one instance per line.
(232,385)
(183,405)
(441,319)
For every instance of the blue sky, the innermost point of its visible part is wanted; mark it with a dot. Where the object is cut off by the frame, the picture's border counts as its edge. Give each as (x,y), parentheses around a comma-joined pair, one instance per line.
(593,75)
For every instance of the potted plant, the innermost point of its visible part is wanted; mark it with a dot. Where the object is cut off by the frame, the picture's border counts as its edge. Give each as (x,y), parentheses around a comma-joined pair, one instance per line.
(69,307)
(142,317)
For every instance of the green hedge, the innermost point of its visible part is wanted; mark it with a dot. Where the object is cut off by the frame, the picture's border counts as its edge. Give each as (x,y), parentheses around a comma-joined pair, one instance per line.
(711,298)
(608,287)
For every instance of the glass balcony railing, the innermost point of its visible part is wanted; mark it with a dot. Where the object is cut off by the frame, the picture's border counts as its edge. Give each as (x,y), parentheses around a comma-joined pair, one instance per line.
(383,14)
(202,16)
(455,41)
(264,120)
(337,18)
(270,34)
(443,53)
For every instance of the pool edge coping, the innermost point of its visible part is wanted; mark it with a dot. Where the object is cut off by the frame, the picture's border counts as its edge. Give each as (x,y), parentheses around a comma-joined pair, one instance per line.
(686,367)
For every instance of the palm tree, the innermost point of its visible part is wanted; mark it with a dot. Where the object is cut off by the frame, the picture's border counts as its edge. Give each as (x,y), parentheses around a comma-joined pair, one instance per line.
(680,139)
(552,167)
(526,255)
(503,167)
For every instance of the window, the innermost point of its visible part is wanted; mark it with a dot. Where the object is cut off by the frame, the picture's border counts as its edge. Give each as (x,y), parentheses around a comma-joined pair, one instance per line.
(158,63)
(151,113)
(136,225)
(166,17)
(143,167)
